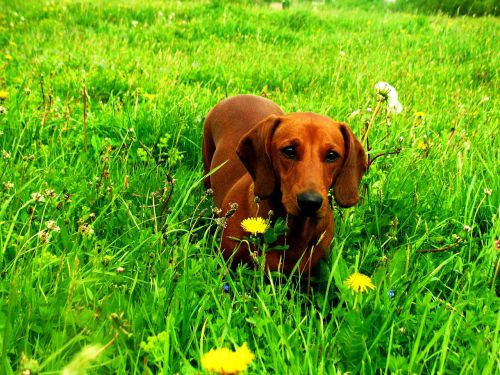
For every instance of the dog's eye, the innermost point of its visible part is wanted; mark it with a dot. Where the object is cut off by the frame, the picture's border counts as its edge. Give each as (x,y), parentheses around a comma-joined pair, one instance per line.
(289,152)
(332,156)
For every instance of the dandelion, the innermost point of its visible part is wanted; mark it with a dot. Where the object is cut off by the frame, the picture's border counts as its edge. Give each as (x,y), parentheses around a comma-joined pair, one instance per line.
(342,53)
(3,110)
(254,225)
(120,270)
(420,114)
(3,95)
(8,57)
(466,228)
(394,107)
(134,23)
(225,361)
(387,93)
(359,282)
(149,96)
(423,146)
(487,192)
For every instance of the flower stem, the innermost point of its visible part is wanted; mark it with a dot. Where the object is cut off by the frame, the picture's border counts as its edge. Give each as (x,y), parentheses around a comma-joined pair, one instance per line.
(371,122)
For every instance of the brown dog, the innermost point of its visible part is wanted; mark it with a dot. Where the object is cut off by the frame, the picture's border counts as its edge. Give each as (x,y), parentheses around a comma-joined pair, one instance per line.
(290,162)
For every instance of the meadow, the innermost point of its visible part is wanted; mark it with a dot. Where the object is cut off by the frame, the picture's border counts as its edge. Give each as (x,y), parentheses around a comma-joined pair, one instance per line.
(108,261)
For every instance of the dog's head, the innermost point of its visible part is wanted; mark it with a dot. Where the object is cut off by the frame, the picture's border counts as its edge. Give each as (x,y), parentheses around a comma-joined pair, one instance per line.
(303,156)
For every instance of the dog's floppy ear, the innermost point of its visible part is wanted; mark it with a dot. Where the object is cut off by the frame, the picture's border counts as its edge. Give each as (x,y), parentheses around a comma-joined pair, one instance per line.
(254,151)
(346,185)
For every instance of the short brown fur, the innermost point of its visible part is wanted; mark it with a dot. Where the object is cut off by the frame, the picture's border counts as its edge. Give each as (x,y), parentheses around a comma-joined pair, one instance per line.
(250,137)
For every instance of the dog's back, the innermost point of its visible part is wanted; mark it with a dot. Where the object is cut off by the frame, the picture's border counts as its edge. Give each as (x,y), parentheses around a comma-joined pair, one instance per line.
(224,126)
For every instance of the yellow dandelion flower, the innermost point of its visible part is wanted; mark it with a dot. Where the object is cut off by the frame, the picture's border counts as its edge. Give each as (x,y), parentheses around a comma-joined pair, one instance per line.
(359,282)
(149,96)
(423,146)
(225,361)
(3,95)
(254,225)
(420,114)
(8,57)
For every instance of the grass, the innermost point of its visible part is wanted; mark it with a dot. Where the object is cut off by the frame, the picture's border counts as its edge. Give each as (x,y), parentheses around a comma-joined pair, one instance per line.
(101,131)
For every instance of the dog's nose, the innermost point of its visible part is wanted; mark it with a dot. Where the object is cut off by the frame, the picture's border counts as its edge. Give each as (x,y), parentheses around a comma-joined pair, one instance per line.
(309,202)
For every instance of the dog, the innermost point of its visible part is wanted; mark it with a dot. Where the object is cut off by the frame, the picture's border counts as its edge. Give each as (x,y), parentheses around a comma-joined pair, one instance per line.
(262,160)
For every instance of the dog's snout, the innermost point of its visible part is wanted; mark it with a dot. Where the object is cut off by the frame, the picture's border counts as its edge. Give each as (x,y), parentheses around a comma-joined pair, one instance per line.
(309,202)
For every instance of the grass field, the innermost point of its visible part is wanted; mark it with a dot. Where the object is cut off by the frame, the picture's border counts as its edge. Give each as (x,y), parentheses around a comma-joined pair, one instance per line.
(107,238)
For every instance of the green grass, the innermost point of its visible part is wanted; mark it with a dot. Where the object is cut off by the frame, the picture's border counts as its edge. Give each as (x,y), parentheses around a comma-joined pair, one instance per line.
(151,71)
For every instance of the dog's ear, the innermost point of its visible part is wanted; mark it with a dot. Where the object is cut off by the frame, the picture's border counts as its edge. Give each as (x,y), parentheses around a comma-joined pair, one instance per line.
(254,151)
(346,185)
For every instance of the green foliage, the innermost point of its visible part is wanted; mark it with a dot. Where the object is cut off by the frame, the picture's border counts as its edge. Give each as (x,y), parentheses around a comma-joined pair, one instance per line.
(108,244)
(451,7)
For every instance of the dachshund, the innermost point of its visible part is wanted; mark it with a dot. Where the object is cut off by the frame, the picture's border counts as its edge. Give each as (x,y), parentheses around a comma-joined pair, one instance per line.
(260,159)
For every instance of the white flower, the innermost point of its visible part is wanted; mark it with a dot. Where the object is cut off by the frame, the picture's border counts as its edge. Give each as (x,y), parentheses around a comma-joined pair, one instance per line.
(388,93)
(134,23)
(394,107)
(342,53)
(386,90)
